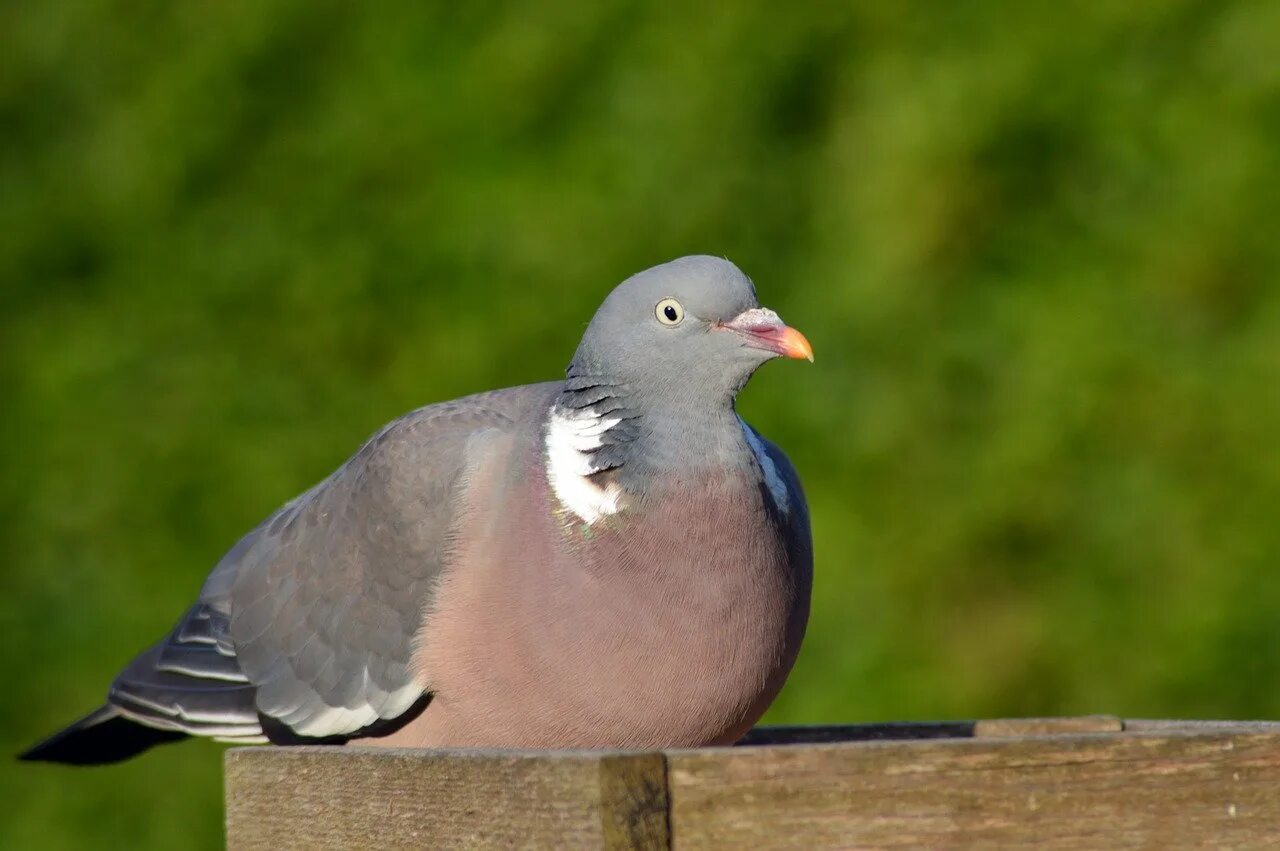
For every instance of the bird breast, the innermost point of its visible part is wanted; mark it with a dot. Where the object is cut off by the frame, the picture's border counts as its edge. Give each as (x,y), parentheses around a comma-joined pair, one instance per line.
(672,623)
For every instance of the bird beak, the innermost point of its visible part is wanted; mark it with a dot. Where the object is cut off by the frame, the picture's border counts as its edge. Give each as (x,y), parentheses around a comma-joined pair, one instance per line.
(764,330)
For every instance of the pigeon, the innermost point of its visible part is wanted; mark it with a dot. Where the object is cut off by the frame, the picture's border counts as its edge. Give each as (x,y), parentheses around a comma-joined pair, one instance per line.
(615,560)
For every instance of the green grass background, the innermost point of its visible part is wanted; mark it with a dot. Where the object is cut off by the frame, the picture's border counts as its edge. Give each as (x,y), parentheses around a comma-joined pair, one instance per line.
(1036,248)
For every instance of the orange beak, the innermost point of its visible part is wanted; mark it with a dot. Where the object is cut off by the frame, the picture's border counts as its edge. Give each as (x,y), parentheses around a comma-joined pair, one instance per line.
(764,330)
(791,343)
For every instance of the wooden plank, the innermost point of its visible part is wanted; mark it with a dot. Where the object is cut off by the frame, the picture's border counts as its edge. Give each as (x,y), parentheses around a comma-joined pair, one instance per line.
(898,730)
(819,734)
(1140,725)
(1008,727)
(943,784)
(332,797)
(1217,789)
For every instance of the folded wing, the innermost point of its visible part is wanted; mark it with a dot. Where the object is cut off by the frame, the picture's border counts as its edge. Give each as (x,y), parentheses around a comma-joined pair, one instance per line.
(309,621)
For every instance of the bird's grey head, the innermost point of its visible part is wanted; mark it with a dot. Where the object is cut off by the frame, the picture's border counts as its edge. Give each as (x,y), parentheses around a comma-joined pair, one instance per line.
(651,388)
(690,331)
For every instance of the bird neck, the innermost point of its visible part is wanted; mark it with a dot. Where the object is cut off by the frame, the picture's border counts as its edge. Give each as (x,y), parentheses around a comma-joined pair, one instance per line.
(608,443)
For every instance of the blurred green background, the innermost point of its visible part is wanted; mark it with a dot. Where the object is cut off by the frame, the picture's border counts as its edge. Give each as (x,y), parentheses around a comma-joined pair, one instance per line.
(1037,250)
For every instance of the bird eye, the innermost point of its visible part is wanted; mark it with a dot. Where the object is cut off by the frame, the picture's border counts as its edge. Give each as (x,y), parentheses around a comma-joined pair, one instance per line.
(669,312)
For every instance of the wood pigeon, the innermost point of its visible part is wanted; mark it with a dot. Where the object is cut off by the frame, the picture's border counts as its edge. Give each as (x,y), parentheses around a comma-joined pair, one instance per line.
(613,560)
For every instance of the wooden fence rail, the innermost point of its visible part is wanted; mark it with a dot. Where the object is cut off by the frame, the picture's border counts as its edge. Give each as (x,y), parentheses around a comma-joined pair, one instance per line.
(1090,782)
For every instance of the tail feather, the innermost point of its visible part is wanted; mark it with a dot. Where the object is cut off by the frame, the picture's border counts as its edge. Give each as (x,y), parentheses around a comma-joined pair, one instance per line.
(101,737)
(174,689)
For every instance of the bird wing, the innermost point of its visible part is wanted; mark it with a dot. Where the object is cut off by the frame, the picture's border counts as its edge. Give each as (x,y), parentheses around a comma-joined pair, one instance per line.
(310,619)
(794,521)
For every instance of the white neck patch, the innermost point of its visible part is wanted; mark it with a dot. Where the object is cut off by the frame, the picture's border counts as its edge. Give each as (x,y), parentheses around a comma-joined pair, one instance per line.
(571,435)
(772,479)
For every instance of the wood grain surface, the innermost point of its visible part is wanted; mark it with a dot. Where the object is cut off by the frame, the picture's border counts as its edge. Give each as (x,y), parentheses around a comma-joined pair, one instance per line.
(333,797)
(1092,782)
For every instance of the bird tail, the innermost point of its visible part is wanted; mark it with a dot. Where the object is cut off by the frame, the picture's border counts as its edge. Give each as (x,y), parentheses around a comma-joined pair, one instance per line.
(101,737)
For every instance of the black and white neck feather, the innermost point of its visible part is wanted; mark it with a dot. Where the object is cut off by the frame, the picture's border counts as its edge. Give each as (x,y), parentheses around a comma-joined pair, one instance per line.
(597,449)
(591,429)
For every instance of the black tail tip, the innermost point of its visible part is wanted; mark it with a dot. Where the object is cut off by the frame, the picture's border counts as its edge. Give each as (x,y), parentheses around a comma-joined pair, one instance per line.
(100,738)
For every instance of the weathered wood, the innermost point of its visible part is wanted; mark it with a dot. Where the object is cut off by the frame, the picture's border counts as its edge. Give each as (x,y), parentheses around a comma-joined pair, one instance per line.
(1139,725)
(899,730)
(1055,783)
(1152,790)
(329,797)
(858,733)
(1007,727)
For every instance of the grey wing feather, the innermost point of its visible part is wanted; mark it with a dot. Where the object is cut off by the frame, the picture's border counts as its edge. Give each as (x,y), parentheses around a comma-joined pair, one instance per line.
(190,684)
(331,591)
(311,617)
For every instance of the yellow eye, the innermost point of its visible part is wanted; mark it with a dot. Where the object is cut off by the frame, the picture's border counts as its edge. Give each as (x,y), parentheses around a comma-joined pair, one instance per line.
(669,312)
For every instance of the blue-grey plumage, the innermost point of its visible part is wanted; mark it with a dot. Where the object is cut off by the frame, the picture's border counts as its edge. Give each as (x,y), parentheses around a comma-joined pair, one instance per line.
(615,559)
